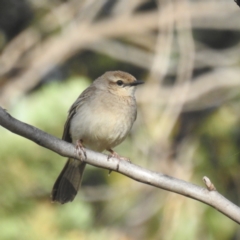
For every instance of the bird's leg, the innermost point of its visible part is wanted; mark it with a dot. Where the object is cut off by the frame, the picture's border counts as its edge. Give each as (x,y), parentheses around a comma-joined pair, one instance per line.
(80,150)
(115,155)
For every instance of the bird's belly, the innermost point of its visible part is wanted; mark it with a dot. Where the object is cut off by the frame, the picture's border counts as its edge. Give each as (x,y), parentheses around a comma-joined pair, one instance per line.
(100,131)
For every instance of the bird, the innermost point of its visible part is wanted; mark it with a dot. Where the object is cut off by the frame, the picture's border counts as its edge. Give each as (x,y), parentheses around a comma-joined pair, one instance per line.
(100,119)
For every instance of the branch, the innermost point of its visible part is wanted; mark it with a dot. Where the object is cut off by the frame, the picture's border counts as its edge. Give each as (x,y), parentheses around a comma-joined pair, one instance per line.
(206,195)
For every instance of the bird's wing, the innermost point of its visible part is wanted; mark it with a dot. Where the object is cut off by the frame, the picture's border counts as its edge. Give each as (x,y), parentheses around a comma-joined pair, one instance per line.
(72,111)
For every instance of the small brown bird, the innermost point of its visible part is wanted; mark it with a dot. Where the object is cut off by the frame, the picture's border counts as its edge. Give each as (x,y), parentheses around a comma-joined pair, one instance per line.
(99,119)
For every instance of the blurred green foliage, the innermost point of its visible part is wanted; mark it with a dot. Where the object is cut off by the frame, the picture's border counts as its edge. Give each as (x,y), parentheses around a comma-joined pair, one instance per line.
(28,171)
(112,207)
(203,142)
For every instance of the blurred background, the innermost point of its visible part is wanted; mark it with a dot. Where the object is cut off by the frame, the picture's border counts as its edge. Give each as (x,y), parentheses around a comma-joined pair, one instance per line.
(188,126)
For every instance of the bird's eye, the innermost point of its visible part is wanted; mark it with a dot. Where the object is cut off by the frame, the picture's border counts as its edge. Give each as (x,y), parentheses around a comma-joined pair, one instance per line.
(119,82)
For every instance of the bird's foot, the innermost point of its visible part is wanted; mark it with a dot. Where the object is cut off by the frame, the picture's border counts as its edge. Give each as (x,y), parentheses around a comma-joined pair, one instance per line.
(115,155)
(81,150)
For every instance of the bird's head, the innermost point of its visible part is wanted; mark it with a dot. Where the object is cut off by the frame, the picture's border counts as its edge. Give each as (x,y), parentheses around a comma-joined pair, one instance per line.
(118,83)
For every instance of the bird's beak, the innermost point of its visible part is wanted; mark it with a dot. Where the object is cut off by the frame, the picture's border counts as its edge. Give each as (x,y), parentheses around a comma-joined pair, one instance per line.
(138,82)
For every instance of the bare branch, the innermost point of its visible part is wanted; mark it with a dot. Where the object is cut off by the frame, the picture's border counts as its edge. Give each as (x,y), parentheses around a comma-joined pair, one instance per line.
(37,58)
(159,180)
(210,89)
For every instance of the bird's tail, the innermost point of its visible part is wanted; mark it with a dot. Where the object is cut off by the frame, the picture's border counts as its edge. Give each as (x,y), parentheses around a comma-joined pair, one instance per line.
(68,182)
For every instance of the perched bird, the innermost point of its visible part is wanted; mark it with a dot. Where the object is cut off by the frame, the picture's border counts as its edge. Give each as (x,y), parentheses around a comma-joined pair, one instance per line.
(99,119)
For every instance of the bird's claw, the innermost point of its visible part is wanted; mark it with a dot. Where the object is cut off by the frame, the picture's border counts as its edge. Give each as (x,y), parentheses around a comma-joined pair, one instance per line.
(115,155)
(81,150)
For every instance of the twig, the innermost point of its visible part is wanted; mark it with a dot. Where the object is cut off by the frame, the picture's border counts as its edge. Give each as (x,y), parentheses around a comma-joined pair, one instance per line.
(209,184)
(164,43)
(207,90)
(159,180)
(41,58)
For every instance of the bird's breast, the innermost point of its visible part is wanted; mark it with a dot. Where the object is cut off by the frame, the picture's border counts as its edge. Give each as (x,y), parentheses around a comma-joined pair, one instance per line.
(103,124)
